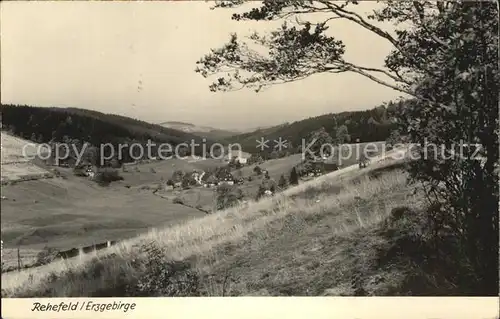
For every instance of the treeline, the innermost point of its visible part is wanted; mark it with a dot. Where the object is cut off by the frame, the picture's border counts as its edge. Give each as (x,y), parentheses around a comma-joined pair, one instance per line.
(362,126)
(60,125)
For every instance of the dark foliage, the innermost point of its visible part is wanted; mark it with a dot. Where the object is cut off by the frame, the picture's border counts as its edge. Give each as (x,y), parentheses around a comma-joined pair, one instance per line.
(164,278)
(60,124)
(106,176)
(294,177)
(366,126)
(228,196)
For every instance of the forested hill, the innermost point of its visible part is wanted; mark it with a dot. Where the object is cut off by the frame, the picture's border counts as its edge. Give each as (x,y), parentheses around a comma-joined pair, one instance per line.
(43,124)
(367,126)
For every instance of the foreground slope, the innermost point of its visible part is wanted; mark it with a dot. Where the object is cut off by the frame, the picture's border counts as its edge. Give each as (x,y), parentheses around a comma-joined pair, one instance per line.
(15,163)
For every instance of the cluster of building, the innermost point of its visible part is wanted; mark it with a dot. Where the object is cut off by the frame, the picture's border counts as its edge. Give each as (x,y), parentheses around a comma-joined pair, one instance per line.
(208,180)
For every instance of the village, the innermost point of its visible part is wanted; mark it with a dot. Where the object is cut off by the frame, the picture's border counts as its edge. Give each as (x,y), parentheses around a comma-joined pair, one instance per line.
(238,169)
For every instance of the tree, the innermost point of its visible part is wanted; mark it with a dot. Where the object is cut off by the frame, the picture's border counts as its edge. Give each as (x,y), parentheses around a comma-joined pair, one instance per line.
(260,192)
(228,196)
(294,177)
(444,57)
(342,135)
(257,170)
(91,155)
(177,175)
(283,183)
(185,183)
(319,144)
(393,139)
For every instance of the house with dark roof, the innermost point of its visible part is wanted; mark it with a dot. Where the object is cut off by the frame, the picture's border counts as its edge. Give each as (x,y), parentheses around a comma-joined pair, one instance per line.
(227,178)
(239,156)
(209,180)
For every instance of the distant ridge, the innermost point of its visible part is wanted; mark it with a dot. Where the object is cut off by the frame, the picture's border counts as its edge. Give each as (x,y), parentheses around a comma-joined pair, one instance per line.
(204,131)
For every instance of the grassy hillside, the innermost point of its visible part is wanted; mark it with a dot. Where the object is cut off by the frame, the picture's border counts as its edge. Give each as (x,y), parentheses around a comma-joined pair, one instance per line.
(367,126)
(78,212)
(43,124)
(340,234)
(14,164)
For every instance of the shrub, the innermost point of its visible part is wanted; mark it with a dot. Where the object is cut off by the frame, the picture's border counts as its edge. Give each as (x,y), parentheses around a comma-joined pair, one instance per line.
(260,192)
(105,177)
(114,163)
(56,172)
(257,170)
(163,278)
(228,196)
(294,177)
(46,256)
(283,183)
(178,200)
(79,171)
(431,257)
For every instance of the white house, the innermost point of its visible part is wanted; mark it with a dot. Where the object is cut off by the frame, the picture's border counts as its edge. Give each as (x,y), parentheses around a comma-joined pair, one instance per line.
(241,156)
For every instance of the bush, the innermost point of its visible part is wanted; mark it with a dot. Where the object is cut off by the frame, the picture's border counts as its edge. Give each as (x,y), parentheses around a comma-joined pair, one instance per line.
(178,200)
(432,257)
(163,278)
(105,177)
(46,256)
(260,192)
(79,171)
(283,183)
(294,177)
(228,196)
(257,170)
(56,172)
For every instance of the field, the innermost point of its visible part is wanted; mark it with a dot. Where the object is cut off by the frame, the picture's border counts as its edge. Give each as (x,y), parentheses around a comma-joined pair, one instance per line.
(68,212)
(302,242)
(64,214)
(15,164)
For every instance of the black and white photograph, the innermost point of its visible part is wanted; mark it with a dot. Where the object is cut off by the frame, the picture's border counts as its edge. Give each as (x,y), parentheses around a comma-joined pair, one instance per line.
(236,148)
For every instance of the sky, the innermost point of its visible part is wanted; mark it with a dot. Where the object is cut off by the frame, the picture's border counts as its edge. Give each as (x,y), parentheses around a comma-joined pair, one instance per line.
(138,59)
